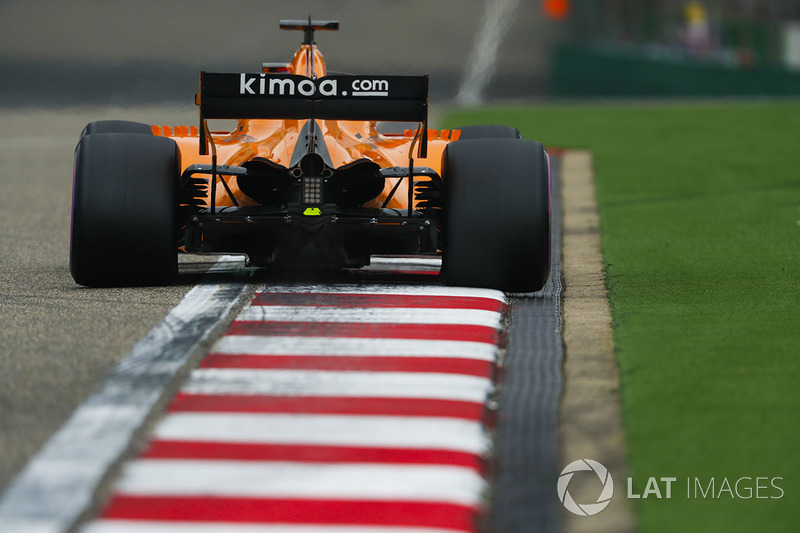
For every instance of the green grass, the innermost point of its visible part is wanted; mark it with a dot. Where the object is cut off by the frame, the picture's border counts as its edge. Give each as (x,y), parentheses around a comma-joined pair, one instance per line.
(699,213)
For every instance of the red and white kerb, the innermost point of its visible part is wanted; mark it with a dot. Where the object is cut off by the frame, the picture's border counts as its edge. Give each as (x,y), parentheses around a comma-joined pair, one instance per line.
(352,409)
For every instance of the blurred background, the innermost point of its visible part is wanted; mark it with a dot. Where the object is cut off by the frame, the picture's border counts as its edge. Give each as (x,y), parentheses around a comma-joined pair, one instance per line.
(677,48)
(95,52)
(115,52)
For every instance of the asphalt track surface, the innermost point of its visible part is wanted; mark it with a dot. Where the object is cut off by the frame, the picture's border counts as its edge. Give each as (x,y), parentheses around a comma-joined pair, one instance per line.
(57,339)
(66,65)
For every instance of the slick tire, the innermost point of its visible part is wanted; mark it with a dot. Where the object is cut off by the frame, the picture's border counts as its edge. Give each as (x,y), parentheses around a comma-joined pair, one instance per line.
(124,210)
(116,126)
(489,131)
(497,214)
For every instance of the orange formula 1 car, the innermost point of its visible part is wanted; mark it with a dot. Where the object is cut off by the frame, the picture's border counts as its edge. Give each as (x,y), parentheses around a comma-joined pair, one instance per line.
(306,179)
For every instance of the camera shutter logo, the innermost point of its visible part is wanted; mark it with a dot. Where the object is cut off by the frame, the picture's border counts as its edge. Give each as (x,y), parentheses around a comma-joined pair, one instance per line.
(586,509)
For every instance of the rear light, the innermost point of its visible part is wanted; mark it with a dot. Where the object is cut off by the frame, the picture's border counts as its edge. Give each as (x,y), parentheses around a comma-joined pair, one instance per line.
(267,68)
(311,190)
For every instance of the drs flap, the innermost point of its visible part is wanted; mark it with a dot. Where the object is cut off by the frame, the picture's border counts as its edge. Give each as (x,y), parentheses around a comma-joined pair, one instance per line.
(340,97)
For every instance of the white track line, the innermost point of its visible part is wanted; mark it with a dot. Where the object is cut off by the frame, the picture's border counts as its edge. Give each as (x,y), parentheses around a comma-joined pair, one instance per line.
(496,20)
(402,290)
(254,479)
(349,384)
(143,526)
(326,430)
(380,261)
(399,315)
(256,345)
(58,484)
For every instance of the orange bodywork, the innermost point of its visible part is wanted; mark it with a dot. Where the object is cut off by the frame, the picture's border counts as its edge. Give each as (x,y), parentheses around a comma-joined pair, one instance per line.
(275,140)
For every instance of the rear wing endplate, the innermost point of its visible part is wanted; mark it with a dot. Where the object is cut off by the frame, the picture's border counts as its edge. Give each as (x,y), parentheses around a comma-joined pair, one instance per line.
(288,96)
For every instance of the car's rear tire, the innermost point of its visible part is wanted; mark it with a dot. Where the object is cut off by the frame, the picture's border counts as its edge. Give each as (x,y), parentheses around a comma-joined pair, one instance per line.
(116,126)
(497,214)
(488,131)
(124,209)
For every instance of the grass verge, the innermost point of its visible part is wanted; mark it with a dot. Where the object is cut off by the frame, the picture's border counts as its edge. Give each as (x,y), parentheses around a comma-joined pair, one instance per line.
(699,208)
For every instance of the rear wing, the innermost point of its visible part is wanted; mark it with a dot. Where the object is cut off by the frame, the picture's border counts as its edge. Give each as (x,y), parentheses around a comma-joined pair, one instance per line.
(288,96)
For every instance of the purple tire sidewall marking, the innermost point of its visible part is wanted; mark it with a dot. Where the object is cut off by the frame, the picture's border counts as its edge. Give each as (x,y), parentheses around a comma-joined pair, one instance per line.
(549,201)
(72,211)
